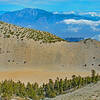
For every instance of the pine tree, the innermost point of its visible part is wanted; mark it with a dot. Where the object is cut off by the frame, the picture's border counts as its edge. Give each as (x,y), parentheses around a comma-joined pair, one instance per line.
(93,75)
(51,84)
(65,85)
(61,86)
(56,86)
(41,93)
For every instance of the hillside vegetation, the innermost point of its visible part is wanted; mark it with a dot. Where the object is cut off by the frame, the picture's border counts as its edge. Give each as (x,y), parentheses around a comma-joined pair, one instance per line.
(8,30)
(29,60)
(9,89)
(26,48)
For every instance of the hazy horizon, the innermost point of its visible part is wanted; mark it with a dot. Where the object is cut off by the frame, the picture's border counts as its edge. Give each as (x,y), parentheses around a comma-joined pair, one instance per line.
(51,5)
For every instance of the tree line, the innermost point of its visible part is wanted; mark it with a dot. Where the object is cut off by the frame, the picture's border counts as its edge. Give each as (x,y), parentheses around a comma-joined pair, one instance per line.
(9,88)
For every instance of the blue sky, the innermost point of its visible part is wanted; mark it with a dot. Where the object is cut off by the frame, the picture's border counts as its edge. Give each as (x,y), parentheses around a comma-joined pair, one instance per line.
(51,5)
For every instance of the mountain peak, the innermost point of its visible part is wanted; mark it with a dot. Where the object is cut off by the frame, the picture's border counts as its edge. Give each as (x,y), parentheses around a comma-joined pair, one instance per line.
(33,10)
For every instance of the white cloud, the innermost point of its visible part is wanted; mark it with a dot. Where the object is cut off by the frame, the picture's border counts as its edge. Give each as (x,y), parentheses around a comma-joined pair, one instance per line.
(68,12)
(96,37)
(90,13)
(71,12)
(94,25)
(73,29)
(56,12)
(81,21)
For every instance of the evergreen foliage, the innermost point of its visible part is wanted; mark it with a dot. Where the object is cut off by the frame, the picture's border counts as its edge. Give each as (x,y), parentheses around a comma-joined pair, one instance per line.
(9,88)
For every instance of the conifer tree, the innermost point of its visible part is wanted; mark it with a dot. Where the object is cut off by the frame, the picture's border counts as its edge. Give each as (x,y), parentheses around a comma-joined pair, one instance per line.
(93,75)
(61,86)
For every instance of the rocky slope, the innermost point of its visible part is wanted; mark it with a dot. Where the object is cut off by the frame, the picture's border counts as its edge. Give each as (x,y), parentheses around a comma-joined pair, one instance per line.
(35,55)
(12,31)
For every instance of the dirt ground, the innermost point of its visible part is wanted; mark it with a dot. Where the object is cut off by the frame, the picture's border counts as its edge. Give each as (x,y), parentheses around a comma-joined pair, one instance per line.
(37,76)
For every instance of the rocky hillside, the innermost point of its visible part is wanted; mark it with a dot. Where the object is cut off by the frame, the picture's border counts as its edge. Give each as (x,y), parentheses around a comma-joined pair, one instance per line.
(8,30)
(23,46)
(31,55)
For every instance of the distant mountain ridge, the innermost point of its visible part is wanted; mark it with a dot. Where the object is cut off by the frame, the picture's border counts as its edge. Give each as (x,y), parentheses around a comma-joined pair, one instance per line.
(71,39)
(30,14)
(62,25)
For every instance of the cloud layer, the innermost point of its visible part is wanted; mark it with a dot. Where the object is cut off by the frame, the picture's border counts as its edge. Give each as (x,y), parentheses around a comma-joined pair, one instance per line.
(81,21)
(76,26)
(96,37)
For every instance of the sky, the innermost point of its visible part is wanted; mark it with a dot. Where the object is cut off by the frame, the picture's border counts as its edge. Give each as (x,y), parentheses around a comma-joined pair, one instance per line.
(51,5)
